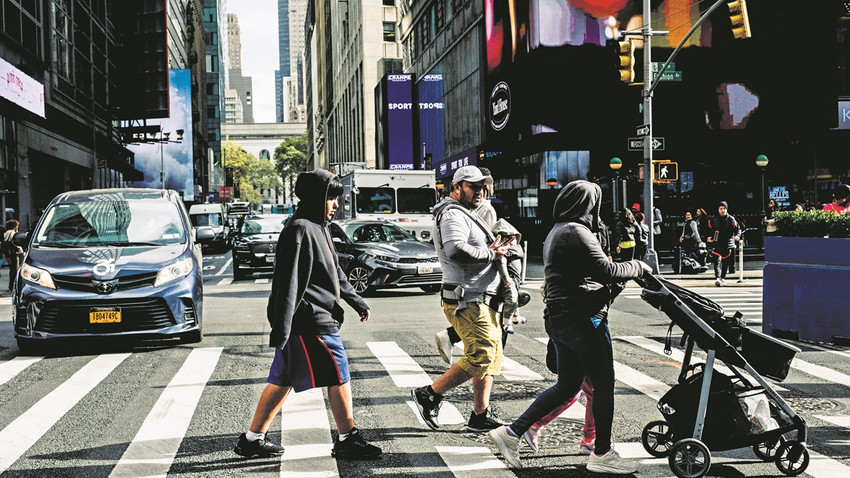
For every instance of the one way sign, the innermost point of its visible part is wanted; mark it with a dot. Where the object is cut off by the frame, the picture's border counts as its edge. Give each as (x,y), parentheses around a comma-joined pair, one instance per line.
(636,144)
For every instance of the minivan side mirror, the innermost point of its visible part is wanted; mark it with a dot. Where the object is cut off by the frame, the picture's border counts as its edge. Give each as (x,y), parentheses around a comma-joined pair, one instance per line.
(204,234)
(21,239)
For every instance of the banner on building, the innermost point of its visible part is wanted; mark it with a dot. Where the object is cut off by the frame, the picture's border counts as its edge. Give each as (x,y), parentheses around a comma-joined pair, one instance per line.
(21,89)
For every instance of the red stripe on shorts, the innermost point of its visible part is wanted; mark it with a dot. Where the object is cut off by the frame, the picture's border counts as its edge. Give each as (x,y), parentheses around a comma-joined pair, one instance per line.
(307,357)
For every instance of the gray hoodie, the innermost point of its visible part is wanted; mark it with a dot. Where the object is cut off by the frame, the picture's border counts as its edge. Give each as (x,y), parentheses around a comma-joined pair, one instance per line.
(463,247)
(577,271)
(308,281)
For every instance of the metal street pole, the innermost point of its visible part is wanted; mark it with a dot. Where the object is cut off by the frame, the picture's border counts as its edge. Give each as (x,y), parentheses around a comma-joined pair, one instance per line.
(161,163)
(650,257)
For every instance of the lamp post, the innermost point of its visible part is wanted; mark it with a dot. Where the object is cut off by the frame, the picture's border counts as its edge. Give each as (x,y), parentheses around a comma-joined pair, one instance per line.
(761,162)
(164,138)
(615,164)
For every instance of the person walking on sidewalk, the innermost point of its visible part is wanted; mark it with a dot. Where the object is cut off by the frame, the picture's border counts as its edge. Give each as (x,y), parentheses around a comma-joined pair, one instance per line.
(305,317)
(723,238)
(11,251)
(579,279)
(468,255)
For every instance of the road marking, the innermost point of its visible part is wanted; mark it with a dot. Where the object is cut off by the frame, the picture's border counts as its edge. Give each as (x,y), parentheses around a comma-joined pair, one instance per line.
(264,280)
(305,431)
(10,368)
(225,281)
(826,349)
(511,369)
(5,301)
(821,372)
(225,266)
(838,420)
(470,461)
(406,373)
(152,451)
(25,430)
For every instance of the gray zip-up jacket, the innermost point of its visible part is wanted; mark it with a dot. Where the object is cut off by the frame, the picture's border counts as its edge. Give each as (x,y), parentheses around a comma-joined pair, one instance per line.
(463,248)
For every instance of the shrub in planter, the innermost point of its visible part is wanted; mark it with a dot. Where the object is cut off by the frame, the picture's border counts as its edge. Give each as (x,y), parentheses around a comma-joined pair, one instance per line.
(812,224)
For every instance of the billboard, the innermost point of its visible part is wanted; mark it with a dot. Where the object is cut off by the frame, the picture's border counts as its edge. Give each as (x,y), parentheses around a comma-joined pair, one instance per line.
(21,89)
(431,126)
(399,125)
(173,159)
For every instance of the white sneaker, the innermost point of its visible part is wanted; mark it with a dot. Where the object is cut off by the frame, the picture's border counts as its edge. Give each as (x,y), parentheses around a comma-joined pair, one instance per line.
(508,446)
(444,345)
(611,463)
(586,447)
(722,282)
(532,438)
(718,282)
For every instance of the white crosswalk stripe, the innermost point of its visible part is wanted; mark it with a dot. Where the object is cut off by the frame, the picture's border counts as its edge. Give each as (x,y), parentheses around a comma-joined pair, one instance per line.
(153,449)
(306,428)
(22,433)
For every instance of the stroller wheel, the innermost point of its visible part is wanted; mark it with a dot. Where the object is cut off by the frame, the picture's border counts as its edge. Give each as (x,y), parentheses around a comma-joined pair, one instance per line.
(792,458)
(689,458)
(657,438)
(766,451)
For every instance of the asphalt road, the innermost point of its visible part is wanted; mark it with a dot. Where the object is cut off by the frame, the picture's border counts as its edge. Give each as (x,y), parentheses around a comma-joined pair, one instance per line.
(159,409)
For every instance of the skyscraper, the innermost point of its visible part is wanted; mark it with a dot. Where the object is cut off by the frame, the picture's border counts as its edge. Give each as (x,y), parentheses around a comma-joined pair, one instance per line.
(242,84)
(289,77)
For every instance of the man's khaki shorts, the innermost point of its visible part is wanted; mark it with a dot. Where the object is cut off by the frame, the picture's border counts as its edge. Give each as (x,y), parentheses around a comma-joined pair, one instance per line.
(479,329)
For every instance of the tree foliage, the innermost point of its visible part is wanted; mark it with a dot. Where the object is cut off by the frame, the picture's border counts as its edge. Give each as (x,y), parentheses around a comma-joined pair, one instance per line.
(249,172)
(290,158)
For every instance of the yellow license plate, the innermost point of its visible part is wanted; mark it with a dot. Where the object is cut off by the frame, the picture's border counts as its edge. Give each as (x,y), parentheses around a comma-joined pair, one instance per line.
(105,316)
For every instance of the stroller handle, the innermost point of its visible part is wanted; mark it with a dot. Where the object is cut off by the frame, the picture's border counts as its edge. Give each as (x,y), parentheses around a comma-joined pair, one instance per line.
(649,281)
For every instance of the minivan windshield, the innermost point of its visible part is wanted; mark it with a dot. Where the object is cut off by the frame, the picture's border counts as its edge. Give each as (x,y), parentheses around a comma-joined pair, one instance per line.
(111,223)
(209,219)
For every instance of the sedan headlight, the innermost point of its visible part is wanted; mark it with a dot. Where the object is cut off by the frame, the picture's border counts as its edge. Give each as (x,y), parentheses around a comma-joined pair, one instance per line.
(383,258)
(173,271)
(37,276)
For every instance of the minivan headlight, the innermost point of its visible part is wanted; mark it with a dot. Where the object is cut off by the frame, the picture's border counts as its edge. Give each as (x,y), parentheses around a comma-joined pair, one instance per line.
(37,276)
(173,271)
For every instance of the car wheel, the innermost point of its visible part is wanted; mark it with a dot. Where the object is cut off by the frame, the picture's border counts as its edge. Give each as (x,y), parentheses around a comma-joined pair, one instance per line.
(192,337)
(431,288)
(358,276)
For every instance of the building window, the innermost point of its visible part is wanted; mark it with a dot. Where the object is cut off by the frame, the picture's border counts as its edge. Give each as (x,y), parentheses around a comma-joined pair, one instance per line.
(62,46)
(389,32)
(264,154)
(21,20)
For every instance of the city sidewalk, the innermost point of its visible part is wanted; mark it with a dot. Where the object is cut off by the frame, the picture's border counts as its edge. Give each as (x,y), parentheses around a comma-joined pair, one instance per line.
(752,276)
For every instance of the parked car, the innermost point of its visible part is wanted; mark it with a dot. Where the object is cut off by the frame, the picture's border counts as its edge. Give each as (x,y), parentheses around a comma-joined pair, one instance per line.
(380,254)
(255,242)
(212,215)
(111,262)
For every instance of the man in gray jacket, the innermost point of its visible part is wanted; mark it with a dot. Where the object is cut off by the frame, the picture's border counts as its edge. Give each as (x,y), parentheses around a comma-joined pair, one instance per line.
(468,255)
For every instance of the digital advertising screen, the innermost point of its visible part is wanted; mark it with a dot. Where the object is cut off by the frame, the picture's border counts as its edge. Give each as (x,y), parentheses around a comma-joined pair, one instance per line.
(431,121)
(173,158)
(399,124)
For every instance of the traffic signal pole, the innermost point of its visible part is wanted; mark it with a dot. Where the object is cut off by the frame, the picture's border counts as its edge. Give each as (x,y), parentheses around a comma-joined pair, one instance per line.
(649,84)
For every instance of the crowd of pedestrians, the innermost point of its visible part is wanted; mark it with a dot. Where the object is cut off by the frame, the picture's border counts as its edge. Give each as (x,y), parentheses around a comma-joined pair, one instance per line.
(586,265)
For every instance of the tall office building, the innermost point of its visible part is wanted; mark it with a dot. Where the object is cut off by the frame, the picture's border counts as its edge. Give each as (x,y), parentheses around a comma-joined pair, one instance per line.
(242,84)
(289,77)
(281,75)
(215,24)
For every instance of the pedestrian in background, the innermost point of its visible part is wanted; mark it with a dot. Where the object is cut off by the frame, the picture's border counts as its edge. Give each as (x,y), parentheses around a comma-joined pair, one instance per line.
(723,238)
(841,199)
(641,236)
(11,251)
(578,279)
(305,318)
(702,224)
(468,255)
(626,235)
(690,238)
(657,219)
(767,221)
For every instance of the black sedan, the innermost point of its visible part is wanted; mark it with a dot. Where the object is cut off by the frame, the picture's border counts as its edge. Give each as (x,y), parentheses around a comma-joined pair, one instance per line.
(254,244)
(379,254)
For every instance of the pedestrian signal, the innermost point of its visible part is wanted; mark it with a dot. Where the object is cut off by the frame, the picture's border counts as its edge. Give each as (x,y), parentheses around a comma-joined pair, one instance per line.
(626,59)
(665,171)
(739,18)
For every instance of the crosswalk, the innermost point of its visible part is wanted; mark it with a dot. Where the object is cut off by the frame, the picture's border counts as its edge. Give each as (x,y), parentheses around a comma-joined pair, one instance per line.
(306,428)
(746,300)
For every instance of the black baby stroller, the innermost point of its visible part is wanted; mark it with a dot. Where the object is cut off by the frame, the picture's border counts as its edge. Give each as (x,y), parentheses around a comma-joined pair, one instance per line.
(711,411)
(690,263)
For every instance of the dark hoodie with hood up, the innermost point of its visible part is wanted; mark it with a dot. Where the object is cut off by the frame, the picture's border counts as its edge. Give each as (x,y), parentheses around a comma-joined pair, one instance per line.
(577,271)
(308,281)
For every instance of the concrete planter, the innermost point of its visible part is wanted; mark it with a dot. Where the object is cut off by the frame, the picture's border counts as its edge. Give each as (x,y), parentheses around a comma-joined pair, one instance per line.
(806,280)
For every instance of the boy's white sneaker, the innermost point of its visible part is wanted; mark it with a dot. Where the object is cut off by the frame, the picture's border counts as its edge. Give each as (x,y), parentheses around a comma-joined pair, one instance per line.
(444,346)
(611,462)
(532,438)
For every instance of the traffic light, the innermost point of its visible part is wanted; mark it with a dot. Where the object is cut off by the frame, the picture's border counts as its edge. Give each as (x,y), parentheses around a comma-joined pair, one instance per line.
(739,18)
(626,57)
(228,177)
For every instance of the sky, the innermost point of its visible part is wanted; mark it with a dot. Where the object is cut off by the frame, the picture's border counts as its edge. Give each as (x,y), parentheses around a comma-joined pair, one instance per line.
(258,26)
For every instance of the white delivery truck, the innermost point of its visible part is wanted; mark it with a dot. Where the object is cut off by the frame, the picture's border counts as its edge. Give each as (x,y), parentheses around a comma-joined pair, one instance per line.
(404,197)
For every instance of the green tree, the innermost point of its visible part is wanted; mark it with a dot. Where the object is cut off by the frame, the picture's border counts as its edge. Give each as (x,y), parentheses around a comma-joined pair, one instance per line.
(290,159)
(252,174)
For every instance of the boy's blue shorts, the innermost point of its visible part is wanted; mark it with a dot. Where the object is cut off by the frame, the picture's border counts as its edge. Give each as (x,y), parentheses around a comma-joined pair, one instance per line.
(310,361)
